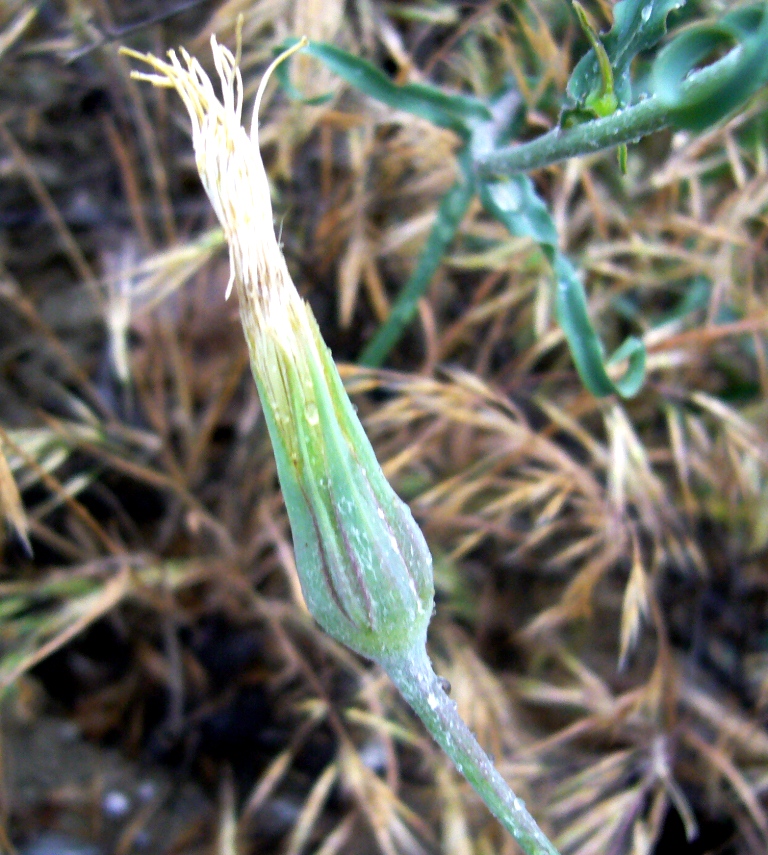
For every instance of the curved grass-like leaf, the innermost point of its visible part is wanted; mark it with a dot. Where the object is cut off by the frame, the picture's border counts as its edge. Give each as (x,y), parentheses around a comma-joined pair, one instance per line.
(744,68)
(447,110)
(517,205)
(505,111)
(585,345)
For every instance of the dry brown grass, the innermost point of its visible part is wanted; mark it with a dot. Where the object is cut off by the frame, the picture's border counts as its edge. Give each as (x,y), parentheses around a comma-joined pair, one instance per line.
(601,565)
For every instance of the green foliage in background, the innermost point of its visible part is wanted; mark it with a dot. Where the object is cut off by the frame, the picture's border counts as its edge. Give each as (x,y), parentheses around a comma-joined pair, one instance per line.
(602,110)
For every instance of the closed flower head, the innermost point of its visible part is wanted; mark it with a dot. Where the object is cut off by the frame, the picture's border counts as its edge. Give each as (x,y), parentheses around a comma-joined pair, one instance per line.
(364,565)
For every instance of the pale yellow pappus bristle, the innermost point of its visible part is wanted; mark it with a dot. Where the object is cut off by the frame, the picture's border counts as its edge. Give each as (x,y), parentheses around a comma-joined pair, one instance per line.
(229,162)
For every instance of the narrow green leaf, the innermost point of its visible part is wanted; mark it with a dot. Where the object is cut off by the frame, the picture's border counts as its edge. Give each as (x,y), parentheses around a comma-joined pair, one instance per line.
(517,205)
(505,113)
(638,25)
(744,70)
(585,345)
(447,110)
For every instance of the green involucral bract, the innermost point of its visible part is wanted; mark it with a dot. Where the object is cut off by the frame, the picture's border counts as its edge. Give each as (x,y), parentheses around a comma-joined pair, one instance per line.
(364,566)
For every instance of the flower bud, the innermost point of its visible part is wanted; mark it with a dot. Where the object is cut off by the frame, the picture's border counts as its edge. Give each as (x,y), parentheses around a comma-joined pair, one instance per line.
(364,566)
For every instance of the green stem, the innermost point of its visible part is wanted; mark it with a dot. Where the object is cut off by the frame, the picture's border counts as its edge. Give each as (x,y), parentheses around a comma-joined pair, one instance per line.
(451,212)
(414,677)
(623,126)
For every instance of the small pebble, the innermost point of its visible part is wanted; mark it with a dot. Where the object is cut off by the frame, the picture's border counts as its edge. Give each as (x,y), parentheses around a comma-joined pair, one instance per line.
(115,804)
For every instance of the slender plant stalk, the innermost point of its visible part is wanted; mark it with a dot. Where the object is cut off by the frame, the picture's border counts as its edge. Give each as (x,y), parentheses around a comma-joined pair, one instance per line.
(623,126)
(421,687)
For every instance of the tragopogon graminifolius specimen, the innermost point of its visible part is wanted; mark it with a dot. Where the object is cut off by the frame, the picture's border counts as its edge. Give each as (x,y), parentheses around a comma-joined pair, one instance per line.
(364,566)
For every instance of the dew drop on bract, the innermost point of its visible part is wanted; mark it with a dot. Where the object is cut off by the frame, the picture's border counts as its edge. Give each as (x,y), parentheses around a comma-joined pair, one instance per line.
(313,417)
